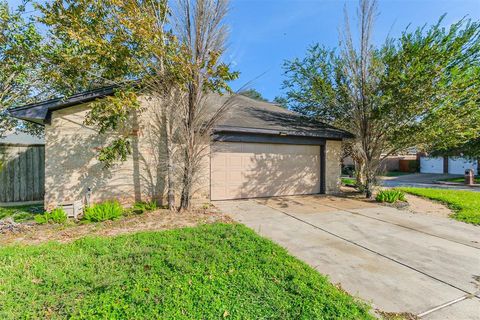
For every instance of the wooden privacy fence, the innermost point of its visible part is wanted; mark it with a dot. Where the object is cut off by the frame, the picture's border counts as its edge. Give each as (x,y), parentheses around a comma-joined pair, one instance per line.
(22,173)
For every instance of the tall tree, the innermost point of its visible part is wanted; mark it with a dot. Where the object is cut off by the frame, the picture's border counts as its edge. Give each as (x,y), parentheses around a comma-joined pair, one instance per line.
(125,44)
(131,44)
(201,29)
(421,90)
(20,48)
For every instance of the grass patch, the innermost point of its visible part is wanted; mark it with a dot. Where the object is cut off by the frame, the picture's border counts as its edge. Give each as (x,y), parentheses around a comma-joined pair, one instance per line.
(460,180)
(209,272)
(348,181)
(57,215)
(395,174)
(21,213)
(466,204)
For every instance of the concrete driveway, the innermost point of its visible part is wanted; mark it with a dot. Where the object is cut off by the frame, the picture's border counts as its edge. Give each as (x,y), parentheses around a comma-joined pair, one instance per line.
(398,261)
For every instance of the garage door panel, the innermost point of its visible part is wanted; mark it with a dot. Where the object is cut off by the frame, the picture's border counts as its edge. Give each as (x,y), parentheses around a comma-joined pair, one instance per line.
(234,163)
(220,177)
(234,191)
(458,165)
(263,170)
(219,161)
(431,165)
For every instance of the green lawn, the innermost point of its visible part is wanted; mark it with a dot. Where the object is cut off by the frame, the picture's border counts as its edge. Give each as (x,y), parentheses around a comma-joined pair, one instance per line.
(21,213)
(209,272)
(466,204)
(460,180)
(349,181)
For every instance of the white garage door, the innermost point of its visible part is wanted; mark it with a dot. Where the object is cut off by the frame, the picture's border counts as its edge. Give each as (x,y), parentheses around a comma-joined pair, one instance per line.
(431,165)
(249,170)
(457,165)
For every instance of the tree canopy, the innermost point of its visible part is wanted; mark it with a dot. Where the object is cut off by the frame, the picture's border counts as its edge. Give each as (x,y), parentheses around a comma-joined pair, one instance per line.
(422,89)
(170,52)
(20,50)
(281,101)
(254,94)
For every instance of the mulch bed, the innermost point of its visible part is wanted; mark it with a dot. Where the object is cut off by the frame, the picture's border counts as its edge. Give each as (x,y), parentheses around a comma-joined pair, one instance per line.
(31,233)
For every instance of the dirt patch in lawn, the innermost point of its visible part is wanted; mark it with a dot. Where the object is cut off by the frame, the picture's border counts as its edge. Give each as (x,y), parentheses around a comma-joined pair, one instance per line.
(424,206)
(414,204)
(150,221)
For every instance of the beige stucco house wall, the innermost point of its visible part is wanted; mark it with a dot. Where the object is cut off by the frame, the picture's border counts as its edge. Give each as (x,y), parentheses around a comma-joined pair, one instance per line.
(72,167)
(333,168)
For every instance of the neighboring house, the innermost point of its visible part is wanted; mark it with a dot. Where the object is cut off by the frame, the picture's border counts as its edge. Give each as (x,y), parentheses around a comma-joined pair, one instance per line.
(258,150)
(390,163)
(22,167)
(450,165)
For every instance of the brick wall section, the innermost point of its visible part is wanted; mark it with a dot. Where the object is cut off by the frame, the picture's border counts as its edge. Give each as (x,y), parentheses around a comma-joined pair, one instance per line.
(71,165)
(333,168)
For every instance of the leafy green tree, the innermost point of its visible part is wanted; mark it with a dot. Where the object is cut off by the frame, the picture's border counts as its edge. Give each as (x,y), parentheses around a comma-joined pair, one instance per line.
(470,149)
(100,43)
(169,54)
(281,101)
(20,47)
(421,90)
(254,94)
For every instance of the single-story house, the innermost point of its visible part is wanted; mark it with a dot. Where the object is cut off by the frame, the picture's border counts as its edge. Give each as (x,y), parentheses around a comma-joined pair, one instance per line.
(258,149)
(398,162)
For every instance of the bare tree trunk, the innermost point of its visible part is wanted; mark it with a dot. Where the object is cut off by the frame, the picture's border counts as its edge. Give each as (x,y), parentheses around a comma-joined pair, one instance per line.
(169,161)
(359,66)
(186,197)
(359,173)
(188,152)
(200,26)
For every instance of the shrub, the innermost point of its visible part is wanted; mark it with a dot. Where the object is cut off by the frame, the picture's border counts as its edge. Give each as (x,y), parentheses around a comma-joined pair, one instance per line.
(145,206)
(57,215)
(349,181)
(390,196)
(142,207)
(109,210)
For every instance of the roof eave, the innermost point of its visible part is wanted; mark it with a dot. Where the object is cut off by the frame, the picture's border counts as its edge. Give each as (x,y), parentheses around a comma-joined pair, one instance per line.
(39,113)
(327,134)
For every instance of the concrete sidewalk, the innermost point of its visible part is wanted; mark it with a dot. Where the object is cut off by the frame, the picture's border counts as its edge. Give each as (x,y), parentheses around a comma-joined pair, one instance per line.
(400,262)
(424,180)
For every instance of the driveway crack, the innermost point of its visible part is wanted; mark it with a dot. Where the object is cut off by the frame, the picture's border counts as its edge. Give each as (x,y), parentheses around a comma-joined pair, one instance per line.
(372,251)
(446,304)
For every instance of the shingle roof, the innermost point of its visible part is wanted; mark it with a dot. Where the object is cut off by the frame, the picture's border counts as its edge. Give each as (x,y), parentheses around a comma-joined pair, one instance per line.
(242,115)
(252,116)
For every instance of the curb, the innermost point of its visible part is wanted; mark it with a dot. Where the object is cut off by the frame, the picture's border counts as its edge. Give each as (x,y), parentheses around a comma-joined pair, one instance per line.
(457,184)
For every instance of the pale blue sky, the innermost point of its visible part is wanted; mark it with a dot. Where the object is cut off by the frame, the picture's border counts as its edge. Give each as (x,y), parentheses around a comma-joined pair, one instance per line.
(266,32)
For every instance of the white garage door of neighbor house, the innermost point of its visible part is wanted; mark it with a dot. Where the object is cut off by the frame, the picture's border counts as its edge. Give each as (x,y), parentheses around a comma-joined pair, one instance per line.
(431,165)
(459,165)
(249,170)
